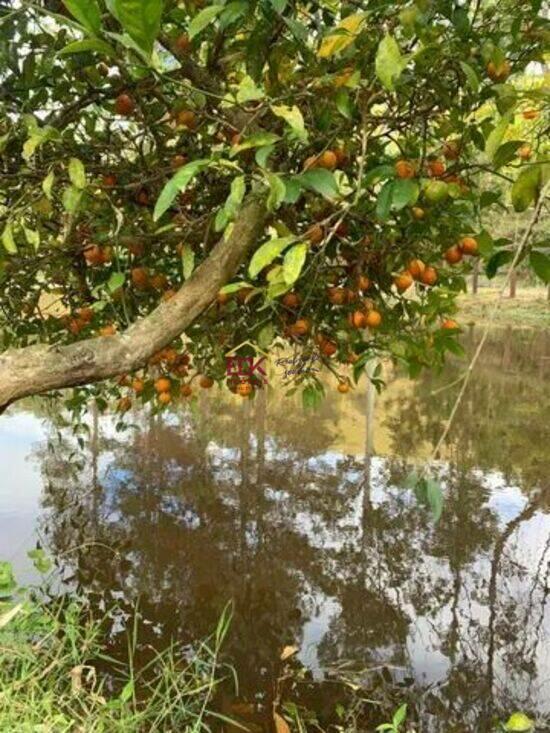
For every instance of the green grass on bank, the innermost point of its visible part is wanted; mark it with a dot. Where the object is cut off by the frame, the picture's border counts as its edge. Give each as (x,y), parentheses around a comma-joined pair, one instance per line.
(530,308)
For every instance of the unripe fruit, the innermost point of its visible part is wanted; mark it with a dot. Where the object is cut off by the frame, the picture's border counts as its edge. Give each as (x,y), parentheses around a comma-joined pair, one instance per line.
(436,191)
(468,245)
(448,323)
(244,389)
(416,268)
(343,387)
(315,234)
(429,276)
(405,169)
(418,213)
(162,385)
(164,398)
(373,319)
(436,168)
(453,255)
(138,386)
(403,281)
(124,105)
(327,160)
(206,382)
(291,300)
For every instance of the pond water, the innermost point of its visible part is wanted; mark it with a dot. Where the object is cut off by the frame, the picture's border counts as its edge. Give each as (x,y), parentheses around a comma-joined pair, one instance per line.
(302,520)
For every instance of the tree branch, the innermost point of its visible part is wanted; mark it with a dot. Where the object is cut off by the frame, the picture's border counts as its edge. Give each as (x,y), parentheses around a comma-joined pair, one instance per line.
(36,369)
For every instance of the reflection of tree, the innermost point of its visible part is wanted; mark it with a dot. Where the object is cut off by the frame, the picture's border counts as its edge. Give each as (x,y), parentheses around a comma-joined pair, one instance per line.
(249,502)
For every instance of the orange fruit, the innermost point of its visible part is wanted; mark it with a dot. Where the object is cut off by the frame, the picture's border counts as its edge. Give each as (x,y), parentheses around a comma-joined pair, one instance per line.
(327,160)
(138,386)
(186,390)
(405,169)
(436,168)
(341,157)
(416,267)
(140,277)
(164,398)
(75,326)
(418,212)
(244,389)
(362,282)
(206,382)
(178,161)
(357,319)
(162,384)
(187,118)
(108,330)
(373,319)
(142,197)
(315,234)
(453,255)
(183,43)
(85,314)
(448,323)
(343,387)
(328,348)
(499,71)
(109,180)
(403,281)
(429,276)
(451,150)
(530,114)
(301,327)
(291,300)
(159,281)
(136,248)
(525,152)
(468,245)
(93,255)
(124,404)
(124,105)
(337,296)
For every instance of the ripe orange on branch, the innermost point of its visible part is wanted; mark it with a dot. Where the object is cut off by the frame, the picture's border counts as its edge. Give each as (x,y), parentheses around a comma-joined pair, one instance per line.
(405,169)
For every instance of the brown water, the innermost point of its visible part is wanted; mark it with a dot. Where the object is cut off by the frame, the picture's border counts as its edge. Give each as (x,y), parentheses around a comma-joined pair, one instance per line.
(302,520)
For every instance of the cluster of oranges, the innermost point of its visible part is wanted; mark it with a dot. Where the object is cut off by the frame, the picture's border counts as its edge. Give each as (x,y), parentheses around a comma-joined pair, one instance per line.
(328,159)
(466,246)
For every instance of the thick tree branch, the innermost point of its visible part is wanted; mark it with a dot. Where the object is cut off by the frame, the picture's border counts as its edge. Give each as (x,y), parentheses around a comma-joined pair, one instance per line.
(41,368)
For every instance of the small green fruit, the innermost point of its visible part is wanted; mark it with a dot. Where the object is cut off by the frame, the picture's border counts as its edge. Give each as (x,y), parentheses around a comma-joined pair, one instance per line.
(436,191)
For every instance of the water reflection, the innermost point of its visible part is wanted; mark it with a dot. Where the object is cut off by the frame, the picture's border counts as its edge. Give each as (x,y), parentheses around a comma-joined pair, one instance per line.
(296,518)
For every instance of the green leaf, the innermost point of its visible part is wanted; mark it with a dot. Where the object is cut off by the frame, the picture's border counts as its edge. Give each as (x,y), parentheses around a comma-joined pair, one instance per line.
(495,137)
(434,495)
(343,103)
(177,184)
(265,254)
(47,185)
(7,580)
(38,136)
(541,265)
(384,201)
(88,44)
(277,191)
(71,199)
(471,76)
(77,173)
(379,173)
(187,261)
(140,19)
(86,12)
(248,91)
(400,715)
(33,237)
(312,397)
(321,181)
(8,240)
(266,336)
(525,188)
(234,287)
(293,117)
(342,36)
(389,62)
(496,261)
(258,140)
(115,281)
(203,19)
(404,193)
(506,152)
(486,244)
(519,723)
(294,262)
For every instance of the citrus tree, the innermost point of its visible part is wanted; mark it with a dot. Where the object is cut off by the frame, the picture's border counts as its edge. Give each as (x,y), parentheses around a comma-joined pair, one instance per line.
(178,178)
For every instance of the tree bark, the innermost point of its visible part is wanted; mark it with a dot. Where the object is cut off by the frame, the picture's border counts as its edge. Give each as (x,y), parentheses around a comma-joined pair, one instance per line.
(513,284)
(41,368)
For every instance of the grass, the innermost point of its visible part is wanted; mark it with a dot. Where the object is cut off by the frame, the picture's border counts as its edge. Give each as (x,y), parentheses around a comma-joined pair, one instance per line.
(530,308)
(50,657)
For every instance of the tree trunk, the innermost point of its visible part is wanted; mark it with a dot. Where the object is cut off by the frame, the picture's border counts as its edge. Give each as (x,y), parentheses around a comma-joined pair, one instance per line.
(475,277)
(513,283)
(41,368)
